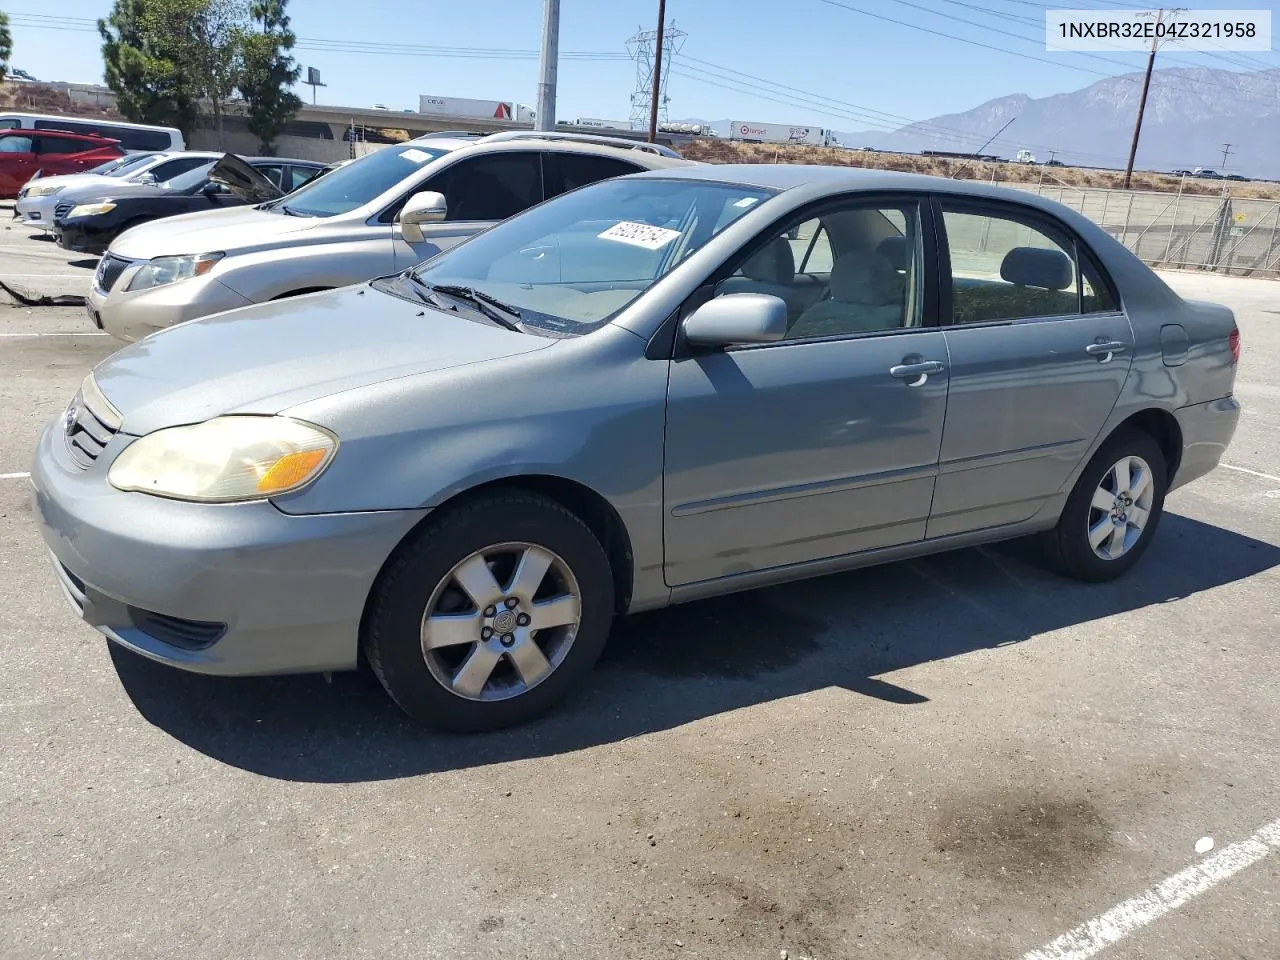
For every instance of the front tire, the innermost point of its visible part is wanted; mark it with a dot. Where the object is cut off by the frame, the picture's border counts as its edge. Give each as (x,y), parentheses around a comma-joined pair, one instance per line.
(1113,510)
(490,613)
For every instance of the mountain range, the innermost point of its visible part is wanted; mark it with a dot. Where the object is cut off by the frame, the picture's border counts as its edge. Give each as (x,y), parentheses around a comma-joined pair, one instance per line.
(1190,114)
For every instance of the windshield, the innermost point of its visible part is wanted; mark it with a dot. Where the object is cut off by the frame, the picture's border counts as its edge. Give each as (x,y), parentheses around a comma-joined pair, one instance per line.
(120,165)
(189,180)
(353,185)
(572,263)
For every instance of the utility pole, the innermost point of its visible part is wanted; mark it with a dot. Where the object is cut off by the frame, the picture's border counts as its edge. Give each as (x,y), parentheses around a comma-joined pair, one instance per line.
(549,66)
(1226,151)
(657,74)
(1146,85)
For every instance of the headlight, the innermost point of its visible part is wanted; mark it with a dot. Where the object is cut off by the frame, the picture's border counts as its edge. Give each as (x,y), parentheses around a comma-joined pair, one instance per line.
(166,270)
(38,191)
(226,459)
(90,209)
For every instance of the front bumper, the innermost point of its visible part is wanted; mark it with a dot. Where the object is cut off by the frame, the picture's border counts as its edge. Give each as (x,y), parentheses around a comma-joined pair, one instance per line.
(1207,429)
(36,212)
(132,315)
(235,590)
(81,235)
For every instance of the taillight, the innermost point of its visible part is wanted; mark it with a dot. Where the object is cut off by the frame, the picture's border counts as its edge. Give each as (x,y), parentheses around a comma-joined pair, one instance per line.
(1234,341)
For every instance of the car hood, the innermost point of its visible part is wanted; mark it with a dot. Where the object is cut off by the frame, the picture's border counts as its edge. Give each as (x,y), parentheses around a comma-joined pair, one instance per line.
(238,228)
(265,358)
(110,188)
(72,181)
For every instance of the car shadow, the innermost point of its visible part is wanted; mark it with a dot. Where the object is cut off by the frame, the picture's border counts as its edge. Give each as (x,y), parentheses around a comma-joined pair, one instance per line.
(675,666)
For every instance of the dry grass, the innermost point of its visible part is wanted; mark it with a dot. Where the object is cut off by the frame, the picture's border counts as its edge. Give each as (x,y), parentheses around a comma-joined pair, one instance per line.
(45,98)
(713,150)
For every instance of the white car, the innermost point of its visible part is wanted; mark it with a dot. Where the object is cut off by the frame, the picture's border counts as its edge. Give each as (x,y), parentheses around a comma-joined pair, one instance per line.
(38,198)
(376,215)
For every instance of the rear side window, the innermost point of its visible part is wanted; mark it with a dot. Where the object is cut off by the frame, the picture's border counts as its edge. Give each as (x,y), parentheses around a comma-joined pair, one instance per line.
(8,123)
(491,187)
(171,168)
(580,169)
(46,145)
(1007,267)
(15,143)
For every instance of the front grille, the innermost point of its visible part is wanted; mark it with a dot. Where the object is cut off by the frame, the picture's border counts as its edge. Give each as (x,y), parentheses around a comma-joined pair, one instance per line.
(62,209)
(175,631)
(109,270)
(90,424)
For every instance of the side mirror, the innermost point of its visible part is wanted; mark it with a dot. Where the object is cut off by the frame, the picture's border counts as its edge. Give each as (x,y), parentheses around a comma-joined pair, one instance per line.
(737,318)
(425,207)
(147,178)
(211,189)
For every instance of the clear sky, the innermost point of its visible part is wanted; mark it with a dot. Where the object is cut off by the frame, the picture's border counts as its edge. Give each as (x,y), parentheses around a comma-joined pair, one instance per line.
(736,62)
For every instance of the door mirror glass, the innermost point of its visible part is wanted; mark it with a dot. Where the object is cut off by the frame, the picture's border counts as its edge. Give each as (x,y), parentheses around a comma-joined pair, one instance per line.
(211,189)
(425,207)
(737,318)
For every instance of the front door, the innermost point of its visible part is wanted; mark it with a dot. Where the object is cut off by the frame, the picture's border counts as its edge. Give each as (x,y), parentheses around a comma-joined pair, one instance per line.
(479,192)
(825,443)
(17,162)
(1039,353)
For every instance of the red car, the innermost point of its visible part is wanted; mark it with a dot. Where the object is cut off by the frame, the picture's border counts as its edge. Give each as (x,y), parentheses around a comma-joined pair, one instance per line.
(51,152)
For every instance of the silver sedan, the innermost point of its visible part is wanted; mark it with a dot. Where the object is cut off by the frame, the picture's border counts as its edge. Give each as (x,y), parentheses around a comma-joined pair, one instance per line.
(653,389)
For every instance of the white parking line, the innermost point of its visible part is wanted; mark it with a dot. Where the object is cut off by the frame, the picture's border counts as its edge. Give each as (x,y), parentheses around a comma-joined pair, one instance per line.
(87,333)
(1252,473)
(1117,923)
(14,476)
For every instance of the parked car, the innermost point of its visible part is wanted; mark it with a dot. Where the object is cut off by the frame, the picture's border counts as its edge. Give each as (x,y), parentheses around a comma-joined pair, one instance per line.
(1204,173)
(23,154)
(383,212)
(638,393)
(38,199)
(1182,173)
(132,136)
(88,221)
(1238,178)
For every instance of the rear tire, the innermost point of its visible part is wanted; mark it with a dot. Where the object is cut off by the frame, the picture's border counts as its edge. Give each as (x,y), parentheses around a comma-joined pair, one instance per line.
(1113,510)
(491,613)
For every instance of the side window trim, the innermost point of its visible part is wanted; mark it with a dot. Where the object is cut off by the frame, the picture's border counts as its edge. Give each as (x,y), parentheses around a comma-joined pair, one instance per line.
(1080,253)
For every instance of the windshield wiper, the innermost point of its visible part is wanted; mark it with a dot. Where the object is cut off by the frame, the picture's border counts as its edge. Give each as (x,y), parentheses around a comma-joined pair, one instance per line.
(500,313)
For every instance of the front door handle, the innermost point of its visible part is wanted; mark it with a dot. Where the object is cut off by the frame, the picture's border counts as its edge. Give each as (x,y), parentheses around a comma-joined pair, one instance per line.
(917,373)
(1104,349)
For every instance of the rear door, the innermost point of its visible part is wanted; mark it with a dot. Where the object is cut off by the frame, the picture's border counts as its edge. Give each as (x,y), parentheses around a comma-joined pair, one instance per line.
(1039,351)
(480,190)
(17,161)
(569,171)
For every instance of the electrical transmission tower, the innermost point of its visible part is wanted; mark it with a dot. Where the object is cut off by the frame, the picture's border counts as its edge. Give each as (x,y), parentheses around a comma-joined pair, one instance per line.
(642,48)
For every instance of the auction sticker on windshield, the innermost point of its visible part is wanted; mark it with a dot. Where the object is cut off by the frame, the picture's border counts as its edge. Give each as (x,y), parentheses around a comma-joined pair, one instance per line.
(417,156)
(640,234)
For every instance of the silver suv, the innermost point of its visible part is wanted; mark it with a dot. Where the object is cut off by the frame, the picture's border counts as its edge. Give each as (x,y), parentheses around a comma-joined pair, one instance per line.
(374,216)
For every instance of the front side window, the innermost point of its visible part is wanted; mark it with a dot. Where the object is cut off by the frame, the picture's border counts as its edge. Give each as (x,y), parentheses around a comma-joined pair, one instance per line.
(298,176)
(852,269)
(491,187)
(272,172)
(1007,267)
(359,182)
(192,180)
(16,143)
(573,263)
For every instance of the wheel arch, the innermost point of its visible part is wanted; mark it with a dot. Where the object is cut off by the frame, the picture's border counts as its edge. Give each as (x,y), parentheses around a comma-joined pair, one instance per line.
(1162,426)
(587,504)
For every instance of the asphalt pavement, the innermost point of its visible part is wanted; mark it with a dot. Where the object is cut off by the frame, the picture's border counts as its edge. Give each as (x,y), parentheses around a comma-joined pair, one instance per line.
(957,757)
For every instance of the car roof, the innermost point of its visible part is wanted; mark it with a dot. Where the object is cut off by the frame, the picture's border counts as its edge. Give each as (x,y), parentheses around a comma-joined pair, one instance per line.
(91,137)
(294,163)
(637,155)
(783,177)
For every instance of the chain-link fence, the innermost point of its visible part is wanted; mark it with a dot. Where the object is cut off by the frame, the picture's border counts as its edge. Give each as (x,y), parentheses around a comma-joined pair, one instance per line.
(1222,233)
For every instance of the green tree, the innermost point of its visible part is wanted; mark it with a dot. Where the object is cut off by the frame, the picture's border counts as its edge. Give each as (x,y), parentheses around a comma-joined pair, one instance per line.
(145,67)
(205,37)
(6,45)
(267,71)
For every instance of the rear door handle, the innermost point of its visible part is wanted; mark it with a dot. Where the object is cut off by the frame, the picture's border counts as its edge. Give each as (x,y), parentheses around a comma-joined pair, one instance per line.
(916,374)
(1104,349)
